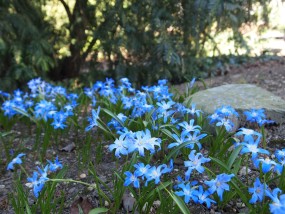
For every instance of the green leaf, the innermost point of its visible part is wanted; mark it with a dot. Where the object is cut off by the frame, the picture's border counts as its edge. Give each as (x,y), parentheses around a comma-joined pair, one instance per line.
(233,156)
(24,113)
(175,150)
(112,115)
(98,210)
(237,188)
(180,203)
(167,132)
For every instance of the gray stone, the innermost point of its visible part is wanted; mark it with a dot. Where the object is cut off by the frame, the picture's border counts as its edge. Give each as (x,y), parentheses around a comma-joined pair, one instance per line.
(128,202)
(241,97)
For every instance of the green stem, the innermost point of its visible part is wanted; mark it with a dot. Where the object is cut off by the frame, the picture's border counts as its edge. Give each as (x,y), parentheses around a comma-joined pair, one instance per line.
(246,169)
(71,180)
(24,170)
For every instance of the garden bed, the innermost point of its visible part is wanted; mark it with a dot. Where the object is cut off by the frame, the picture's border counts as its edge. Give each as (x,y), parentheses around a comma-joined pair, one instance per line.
(86,156)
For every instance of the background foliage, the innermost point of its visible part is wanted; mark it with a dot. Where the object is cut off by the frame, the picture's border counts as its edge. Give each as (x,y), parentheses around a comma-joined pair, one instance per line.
(143,40)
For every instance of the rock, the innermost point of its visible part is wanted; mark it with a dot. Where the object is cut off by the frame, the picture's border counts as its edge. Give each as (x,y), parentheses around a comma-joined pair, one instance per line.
(241,97)
(82,176)
(106,203)
(243,170)
(128,202)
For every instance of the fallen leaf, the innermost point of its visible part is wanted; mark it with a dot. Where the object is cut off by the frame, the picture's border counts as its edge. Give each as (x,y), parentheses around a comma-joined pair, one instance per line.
(3,203)
(81,204)
(68,148)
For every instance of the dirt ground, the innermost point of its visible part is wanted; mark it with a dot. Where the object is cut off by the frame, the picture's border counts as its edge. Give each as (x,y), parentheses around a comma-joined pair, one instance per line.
(269,75)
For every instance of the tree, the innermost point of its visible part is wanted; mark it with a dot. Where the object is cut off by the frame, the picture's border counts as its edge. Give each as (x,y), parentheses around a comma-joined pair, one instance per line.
(144,40)
(25,48)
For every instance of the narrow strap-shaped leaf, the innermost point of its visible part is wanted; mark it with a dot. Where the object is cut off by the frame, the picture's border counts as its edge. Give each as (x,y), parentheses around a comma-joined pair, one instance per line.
(98,210)
(112,115)
(180,203)
(233,156)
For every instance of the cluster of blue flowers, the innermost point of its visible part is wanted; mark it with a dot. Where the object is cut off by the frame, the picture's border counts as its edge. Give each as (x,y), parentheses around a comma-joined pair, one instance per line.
(190,190)
(135,141)
(39,177)
(257,116)
(147,173)
(250,144)
(54,105)
(44,102)
(260,190)
(222,117)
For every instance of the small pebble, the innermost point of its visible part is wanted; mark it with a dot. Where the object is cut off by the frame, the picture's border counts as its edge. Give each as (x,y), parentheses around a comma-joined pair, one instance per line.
(106,203)
(83,175)
(38,163)
(242,171)
(29,185)
(156,203)
(239,204)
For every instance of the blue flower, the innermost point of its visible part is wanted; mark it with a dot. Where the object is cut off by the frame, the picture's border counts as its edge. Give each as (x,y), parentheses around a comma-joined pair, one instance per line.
(219,184)
(278,205)
(132,178)
(43,173)
(16,160)
(143,140)
(36,183)
(188,192)
(214,118)
(227,123)
(141,169)
(164,111)
(189,127)
(193,110)
(58,124)
(195,162)
(265,164)
(114,123)
(252,147)
(194,139)
(89,92)
(120,145)
(203,197)
(280,154)
(226,111)
(257,191)
(248,134)
(93,119)
(98,85)
(178,141)
(54,166)
(43,108)
(154,173)
(254,115)
(163,106)
(162,82)
(257,116)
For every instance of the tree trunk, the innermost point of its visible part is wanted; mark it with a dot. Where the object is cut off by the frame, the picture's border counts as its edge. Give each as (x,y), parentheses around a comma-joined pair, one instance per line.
(70,66)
